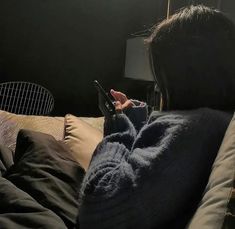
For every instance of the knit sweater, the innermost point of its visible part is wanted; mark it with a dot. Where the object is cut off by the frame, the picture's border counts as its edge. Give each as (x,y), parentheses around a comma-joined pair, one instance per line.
(154,177)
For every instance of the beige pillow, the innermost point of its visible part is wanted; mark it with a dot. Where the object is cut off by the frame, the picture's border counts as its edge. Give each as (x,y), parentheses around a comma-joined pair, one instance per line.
(10,124)
(213,206)
(82,136)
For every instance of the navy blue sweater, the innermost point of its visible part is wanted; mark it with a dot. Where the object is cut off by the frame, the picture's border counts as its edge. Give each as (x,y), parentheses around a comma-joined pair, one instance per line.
(154,177)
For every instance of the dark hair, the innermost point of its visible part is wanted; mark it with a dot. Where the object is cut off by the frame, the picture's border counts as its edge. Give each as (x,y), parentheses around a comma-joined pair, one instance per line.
(194,59)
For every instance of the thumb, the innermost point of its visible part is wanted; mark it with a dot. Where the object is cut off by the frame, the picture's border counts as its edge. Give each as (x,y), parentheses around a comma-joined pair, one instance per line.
(127,104)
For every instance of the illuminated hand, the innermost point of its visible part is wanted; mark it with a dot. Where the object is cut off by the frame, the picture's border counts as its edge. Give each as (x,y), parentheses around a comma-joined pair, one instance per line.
(121,100)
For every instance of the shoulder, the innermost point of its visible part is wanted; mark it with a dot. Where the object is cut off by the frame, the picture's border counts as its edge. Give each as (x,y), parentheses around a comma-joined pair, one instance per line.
(200,114)
(190,122)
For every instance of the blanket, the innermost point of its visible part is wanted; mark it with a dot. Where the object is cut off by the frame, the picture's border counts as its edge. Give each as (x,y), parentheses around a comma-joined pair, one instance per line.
(154,177)
(39,184)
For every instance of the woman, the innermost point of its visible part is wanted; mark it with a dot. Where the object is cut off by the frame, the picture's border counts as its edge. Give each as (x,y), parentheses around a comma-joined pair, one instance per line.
(151,172)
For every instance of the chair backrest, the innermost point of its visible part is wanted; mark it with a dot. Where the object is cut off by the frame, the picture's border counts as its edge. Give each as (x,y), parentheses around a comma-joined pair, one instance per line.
(25,98)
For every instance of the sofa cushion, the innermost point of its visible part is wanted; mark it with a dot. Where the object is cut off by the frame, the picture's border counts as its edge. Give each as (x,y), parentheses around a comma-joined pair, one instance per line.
(11,124)
(213,206)
(82,136)
(229,220)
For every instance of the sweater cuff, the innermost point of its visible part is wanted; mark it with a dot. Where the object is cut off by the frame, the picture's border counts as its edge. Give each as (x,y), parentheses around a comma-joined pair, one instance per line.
(118,123)
(137,114)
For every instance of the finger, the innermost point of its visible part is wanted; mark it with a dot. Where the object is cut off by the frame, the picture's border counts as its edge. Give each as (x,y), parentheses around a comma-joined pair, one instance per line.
(119,96)
(114,94)
(118,106)
(127,104)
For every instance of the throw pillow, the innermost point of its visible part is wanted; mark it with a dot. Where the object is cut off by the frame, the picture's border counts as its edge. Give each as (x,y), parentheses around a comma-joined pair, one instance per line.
(10,124)
(82,135)
(212,209)
(45,169)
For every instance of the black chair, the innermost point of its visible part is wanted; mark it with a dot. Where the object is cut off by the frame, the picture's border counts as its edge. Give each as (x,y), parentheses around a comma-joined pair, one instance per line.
(25,98)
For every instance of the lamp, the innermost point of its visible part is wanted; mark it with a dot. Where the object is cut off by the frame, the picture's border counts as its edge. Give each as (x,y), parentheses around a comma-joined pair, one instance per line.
(138,65)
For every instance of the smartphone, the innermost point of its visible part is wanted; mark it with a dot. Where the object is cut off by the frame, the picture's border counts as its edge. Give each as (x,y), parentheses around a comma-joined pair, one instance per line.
(105,103)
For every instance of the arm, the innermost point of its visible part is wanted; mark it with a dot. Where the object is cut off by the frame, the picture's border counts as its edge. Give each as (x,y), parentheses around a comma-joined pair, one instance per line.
(112,193)
(136,111)
(107,172)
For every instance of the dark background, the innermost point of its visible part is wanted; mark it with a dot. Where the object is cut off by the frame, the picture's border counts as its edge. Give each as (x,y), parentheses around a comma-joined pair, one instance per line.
(65,44)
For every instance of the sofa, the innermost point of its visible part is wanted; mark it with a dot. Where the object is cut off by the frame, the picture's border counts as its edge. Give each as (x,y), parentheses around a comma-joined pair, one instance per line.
(81,135)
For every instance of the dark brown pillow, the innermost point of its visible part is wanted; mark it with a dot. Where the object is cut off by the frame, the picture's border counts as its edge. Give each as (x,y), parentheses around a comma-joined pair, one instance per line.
(45,169)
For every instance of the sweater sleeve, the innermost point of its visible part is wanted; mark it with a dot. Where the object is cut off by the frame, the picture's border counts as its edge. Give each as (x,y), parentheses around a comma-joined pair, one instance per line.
(112,193)
(107,176)
(137,114)
(114,149)
(109,187)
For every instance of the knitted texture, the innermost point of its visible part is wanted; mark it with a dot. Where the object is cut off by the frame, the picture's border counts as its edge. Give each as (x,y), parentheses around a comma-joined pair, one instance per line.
(153,178)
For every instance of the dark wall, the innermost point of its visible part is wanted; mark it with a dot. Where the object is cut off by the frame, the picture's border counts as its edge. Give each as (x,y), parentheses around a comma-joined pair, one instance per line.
(65,44)
(228,6)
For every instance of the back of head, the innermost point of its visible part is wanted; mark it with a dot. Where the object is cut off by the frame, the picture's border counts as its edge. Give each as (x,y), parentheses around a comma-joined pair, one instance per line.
(194,59)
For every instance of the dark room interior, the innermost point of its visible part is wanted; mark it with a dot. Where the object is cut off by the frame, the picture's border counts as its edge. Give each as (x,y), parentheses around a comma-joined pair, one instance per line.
(117,114)
(65,45)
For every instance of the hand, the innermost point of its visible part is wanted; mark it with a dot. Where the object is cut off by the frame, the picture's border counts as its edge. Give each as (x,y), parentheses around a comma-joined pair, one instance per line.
(121,100)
